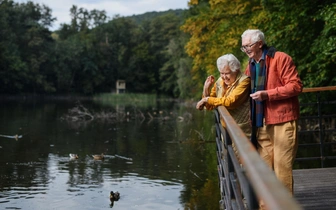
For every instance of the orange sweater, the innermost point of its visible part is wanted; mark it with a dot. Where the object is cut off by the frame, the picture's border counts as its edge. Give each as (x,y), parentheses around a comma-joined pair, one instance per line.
(283,86)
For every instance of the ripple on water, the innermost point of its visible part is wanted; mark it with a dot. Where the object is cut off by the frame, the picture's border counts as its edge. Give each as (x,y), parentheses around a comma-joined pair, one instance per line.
(86,184)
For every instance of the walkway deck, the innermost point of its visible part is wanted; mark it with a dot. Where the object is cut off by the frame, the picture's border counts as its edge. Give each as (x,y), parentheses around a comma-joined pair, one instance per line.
(315,189)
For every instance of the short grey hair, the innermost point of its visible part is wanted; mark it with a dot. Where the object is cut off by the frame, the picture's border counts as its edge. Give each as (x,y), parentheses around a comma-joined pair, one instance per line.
(228,59)
(255,35)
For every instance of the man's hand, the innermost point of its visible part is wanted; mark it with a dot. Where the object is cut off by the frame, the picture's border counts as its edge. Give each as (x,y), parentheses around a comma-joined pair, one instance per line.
(259,95)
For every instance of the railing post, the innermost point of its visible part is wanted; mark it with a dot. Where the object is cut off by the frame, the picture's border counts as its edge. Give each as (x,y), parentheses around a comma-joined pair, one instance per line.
(321,130)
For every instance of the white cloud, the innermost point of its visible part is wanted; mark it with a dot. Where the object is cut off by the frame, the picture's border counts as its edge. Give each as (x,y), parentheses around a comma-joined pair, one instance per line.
(61,8)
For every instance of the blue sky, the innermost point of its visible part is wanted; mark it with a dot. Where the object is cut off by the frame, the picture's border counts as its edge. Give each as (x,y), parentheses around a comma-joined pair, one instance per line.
(61,8)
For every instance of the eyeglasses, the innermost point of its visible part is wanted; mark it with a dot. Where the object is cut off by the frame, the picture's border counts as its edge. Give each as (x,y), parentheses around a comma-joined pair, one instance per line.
(244,48)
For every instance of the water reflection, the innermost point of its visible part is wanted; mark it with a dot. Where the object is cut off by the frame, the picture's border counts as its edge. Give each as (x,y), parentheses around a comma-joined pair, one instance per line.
(155,163)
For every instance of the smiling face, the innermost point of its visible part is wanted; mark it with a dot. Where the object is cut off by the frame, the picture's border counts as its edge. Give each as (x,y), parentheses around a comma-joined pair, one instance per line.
(252,49)
(227,75)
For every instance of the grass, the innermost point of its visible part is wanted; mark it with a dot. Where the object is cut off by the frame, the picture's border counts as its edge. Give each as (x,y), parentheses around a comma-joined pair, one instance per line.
(137,99)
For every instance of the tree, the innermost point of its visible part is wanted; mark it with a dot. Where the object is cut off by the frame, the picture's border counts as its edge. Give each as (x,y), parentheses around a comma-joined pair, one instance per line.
(319,64)
(25,42)
(215,27)
(164,45)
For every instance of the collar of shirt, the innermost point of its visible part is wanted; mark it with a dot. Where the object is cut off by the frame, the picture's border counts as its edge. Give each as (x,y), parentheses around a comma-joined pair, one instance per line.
(263,56)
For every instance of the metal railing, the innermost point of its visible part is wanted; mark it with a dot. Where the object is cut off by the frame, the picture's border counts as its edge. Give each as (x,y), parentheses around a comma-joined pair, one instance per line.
(317,129)
(245,180)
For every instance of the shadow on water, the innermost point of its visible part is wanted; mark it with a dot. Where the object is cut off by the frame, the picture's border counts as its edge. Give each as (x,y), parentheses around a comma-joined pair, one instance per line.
(157,157)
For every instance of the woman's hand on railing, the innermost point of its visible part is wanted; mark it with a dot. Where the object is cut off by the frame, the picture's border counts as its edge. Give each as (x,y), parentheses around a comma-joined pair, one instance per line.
(200,105)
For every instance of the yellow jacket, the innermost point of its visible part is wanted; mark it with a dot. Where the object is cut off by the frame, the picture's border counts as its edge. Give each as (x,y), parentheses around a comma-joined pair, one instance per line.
(230,97)
(235,98)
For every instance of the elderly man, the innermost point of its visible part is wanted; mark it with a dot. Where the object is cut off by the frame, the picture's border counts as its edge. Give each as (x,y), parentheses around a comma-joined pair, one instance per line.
(275,86)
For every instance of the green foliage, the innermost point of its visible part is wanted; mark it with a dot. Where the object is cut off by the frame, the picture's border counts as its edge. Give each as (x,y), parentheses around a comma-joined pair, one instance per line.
(127,99)
(303,29)
(306,31)
(164,44)
(284,33)
(213,33)
(24,47)
(168,53)
(149,16)
(322,58)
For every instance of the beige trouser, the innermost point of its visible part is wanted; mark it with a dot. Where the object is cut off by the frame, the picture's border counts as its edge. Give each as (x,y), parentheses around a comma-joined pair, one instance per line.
(277,146)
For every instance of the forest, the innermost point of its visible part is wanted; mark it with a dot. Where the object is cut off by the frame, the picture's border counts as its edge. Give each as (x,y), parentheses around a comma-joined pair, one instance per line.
(165,53)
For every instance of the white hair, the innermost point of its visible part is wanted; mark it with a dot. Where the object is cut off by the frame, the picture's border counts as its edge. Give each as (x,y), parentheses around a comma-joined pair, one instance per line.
(228,59)
(255,35)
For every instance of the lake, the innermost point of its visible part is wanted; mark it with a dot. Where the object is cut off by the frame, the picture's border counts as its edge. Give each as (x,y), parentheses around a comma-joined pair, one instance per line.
(157,157)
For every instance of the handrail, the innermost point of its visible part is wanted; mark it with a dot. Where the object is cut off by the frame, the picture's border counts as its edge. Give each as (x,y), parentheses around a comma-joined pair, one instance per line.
(241,185)
(320,128)
(264,183)
(318,89)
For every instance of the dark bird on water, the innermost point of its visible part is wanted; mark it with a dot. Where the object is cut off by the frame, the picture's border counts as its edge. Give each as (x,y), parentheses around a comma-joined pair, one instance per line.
(114,196)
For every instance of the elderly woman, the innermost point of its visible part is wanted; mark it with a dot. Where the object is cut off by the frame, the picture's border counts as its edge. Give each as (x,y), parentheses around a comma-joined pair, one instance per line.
(231,90)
